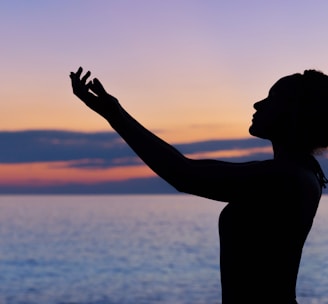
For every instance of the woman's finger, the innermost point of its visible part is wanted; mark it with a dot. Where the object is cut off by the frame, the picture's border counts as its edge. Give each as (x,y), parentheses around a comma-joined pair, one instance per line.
(79,72)
(85,77)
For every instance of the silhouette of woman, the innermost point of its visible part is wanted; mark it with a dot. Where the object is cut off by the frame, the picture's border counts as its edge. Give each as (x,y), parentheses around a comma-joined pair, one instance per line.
(271,204)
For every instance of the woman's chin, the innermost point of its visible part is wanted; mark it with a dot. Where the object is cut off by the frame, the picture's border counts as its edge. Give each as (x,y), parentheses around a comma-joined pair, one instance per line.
(257,133)
(252,130)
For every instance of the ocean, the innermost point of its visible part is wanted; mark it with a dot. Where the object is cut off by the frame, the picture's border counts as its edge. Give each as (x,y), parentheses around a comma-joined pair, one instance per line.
(127,249)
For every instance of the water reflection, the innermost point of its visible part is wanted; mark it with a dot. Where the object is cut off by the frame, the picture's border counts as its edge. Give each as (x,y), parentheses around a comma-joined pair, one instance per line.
(127,249)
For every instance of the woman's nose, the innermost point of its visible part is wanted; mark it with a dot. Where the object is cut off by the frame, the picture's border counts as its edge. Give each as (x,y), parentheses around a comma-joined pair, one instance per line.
(258,104)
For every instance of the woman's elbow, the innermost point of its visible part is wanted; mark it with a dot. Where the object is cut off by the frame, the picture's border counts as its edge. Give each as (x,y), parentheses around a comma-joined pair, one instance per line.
(179,177)
(181,184)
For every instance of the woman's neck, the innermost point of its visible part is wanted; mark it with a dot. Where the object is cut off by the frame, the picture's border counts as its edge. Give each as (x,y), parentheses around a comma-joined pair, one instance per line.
(282,151)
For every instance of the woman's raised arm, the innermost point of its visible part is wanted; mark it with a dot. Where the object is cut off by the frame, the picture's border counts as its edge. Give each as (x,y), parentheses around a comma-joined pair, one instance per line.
(161,157)
(207,178)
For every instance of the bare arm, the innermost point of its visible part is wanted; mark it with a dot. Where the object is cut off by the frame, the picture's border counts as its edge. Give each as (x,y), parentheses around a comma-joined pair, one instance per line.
(161,157)
(208,178)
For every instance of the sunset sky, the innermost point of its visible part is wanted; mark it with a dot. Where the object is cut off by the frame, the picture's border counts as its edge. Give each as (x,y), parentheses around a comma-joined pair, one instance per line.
(188,70)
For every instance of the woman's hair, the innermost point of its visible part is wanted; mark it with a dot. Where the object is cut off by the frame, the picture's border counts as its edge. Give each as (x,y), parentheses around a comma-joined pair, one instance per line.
(312,110)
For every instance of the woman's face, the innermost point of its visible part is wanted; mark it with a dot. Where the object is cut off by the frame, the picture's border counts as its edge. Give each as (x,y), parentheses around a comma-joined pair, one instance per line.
(273,116)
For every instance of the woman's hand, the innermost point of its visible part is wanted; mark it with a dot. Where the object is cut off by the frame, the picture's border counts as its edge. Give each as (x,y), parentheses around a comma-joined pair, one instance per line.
(93,94)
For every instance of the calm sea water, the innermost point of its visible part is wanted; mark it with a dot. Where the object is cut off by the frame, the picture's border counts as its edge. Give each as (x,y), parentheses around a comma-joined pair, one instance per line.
(127,249)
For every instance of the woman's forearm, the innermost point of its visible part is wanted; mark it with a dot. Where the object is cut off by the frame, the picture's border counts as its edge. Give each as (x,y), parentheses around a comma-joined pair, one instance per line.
(162,158)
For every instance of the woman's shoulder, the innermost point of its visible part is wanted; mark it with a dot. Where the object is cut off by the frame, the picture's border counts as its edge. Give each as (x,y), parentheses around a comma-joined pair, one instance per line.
(302,176)
(286,175)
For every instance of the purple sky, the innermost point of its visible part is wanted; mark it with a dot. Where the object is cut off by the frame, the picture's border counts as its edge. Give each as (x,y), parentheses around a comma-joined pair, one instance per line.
(188,70)
(174,64)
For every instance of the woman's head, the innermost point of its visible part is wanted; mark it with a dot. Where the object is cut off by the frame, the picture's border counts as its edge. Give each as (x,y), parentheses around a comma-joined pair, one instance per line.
(295,112)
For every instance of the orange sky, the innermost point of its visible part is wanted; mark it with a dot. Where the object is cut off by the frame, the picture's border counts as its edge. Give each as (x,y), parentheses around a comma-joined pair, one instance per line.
(190,69)
(47,173)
